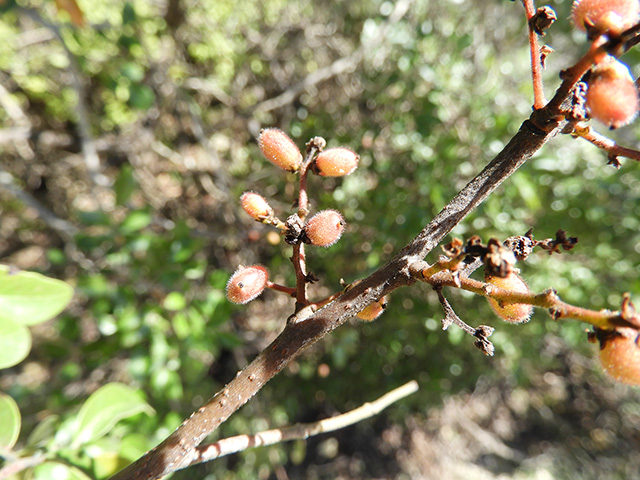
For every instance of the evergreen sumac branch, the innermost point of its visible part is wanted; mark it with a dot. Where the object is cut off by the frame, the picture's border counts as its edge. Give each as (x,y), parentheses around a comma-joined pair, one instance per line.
(597,86)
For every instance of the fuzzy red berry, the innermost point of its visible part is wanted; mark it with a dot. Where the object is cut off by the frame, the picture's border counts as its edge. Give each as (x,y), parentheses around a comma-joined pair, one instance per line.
(605,16)
(247,283)
(256,206)
(324,228)
(620,354)
(510,312)
(335,162)
(279,149)
(373,311)
(612,96)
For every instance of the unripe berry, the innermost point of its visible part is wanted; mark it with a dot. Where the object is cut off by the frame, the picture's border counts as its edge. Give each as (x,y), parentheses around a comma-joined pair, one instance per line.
(279,149)
(256,206)
(612,96)
(324,228)
(247,283)
(620,354)
(373,311)
(510,312)
(335,162)
(605,16)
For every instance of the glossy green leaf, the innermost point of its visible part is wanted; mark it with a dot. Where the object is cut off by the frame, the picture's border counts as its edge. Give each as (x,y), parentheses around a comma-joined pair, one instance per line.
(104,408)
(30,298)
(15,343)
(10,420)
(175,301)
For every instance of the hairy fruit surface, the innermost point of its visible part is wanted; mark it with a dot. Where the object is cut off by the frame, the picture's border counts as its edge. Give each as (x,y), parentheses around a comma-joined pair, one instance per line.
(279,149)
(247,283)
(510,312)
(256,206)
(605,16)
(612,96)
(620,354)
(336,162)
(324,228)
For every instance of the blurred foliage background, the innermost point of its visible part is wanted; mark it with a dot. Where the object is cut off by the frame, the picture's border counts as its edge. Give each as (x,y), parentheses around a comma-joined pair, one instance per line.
(128,134)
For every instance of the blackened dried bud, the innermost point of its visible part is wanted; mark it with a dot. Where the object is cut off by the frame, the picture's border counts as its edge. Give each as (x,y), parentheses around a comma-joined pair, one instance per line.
(520,245)
(542,19)
(453,248)
(295,226)
(499,260)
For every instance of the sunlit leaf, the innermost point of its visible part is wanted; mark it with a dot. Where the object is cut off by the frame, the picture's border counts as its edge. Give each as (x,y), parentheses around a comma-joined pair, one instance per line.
(10,420)
(104,408)
(29,298)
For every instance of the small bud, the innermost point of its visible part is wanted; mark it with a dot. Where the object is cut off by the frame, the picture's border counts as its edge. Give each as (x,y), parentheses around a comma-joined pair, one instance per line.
(279,149)
(605,16)
(256,206)
(620,354)
(510,312)
(324,228)
(247,283)
(373,311)
(612,96)
(336,162)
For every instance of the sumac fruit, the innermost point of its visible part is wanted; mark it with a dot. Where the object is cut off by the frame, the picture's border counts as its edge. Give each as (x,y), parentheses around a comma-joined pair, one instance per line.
(279,149)
(324,228)
(247,283)
(335,162)
(510,312)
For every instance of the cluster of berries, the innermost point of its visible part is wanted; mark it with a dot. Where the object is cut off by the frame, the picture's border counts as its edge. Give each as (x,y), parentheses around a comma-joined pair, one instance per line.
(322,230)
(612,94)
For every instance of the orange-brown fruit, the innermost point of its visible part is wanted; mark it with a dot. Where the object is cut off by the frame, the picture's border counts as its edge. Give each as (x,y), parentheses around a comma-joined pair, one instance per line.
(612,96)
(605,16)
(373,311)
(324,228)
(247,283)
(510,312)
(335,162)
(256,206)
(279,149)
(620,354)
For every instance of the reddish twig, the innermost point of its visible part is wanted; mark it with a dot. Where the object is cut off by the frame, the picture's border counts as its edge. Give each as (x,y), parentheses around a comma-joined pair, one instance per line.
(613,150)
(536,60)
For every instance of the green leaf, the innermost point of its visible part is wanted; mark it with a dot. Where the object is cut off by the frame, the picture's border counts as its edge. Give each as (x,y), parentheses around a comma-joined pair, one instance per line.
(175,301)
(124,185)
(10,421)
(59,471)
(106,407)
(30,298)
(135,221)
(15,343)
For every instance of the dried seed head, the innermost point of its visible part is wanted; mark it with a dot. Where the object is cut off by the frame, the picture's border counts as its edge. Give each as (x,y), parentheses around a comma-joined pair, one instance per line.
(373,311)
(620,354)
(247,283)
(335,162)
(279,149)
(510,312)
(612,96)
(605,16)
(324,228)
(256,206)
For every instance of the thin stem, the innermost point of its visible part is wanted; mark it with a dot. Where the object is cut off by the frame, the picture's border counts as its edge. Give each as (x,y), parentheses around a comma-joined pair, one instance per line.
(548,299)
(240,443)
(536,61)
(612,148)
(281,288)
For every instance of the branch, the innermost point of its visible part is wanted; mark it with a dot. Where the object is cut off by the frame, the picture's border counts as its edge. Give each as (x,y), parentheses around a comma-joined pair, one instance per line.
(549,299)
(239,443)
(536,59)
(612,148)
